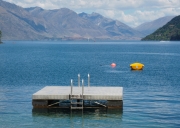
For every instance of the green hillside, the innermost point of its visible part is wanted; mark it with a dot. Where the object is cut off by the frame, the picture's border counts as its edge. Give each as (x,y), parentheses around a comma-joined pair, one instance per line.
(170,31)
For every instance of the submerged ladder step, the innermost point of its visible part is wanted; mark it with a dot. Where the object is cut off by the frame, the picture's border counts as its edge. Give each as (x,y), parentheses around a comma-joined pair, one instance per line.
(74,98)
(77,103)
(76,107)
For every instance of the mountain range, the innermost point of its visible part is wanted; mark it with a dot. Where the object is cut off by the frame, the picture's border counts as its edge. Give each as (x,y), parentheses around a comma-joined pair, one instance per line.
(35,23)
(17,23)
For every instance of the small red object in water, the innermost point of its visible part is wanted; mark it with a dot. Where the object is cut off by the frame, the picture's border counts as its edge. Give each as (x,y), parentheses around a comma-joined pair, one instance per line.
(113,65)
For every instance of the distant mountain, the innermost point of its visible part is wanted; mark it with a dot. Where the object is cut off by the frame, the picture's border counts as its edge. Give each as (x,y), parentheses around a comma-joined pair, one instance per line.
(64,22)
(114,28)
(17,23)
(170,31)
(150,27)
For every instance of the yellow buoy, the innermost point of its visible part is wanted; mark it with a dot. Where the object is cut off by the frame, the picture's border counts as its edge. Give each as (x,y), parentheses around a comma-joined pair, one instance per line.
(136,66)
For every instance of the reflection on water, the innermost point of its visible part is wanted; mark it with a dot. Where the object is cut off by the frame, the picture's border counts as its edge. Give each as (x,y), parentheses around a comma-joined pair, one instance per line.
(77,118)
(58,112)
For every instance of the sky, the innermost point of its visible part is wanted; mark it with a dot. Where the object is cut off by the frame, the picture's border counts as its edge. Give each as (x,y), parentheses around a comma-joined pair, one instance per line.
(130,12)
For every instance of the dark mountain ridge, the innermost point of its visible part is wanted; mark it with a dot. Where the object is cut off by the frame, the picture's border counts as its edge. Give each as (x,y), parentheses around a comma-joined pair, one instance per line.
(150,27)
(170,31)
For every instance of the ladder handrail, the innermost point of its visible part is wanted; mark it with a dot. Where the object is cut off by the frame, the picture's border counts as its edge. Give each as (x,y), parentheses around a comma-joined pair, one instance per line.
(88,80)
(82,87)
(78,97)
(71,86)
(79,80)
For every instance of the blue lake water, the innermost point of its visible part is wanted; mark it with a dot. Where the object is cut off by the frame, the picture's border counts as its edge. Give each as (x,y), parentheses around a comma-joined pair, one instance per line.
(151,97)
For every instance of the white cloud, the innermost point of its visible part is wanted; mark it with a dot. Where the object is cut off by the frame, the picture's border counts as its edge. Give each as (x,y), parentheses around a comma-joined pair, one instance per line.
(130,12)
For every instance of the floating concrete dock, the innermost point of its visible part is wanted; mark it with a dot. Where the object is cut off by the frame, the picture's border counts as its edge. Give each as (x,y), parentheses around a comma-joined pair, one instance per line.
(78,97)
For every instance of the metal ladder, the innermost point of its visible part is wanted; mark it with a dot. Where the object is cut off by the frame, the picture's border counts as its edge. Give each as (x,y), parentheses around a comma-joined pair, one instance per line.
(77,100)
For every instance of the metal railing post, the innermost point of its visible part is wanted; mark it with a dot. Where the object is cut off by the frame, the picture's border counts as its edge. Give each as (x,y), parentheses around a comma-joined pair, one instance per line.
(71,86)
(82,87)
(88,80)
(78,80)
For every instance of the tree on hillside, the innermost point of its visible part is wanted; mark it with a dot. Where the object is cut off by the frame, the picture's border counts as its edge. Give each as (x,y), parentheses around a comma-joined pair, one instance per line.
(175,37)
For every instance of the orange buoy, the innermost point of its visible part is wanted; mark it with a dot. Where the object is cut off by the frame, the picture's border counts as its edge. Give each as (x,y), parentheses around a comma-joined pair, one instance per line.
(113,65)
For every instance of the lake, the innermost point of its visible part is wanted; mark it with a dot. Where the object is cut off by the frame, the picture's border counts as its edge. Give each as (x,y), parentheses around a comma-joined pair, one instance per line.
(151,96)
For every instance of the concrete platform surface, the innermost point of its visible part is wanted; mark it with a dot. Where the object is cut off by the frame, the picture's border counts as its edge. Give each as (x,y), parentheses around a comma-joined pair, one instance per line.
(90,93)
